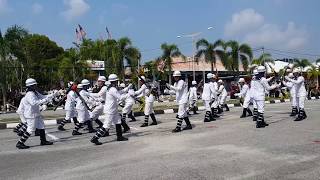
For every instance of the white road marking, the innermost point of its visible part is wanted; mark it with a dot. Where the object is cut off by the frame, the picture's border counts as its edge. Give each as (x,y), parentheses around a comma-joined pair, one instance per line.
(53,137)
(134,128)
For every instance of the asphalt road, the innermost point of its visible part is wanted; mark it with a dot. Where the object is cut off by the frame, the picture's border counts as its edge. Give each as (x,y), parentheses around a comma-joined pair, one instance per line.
(229,148)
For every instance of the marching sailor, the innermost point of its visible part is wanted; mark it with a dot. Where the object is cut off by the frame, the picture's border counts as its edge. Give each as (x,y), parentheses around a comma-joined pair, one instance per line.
(300,91)
(70,106)
(193,97)
(31,113)
(127,100)
(258,91)
(292,91)
(222,96)
(207,92)
(244,94)
(150,95)
(112,115)
(181,90)
(214,96)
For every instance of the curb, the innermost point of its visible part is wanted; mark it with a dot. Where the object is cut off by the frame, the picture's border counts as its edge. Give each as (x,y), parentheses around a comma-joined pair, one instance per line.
(165,111)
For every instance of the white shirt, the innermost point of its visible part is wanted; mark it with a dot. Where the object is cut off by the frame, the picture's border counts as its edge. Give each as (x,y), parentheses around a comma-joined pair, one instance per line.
(181,90)
(113,97)
(299,86)
(128,98)
(259,88)
(207,92)
(86,97)
(222,90)
(32,104)
(21,108)
(214,89)
(142,91)
(71,101)
(193,93)
(101,95)
(291,88)
(243,91)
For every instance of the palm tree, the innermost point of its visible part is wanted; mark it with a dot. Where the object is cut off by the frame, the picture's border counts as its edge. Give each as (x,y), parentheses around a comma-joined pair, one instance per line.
(263,58)
(210,51)
(238,52)
(302,63)
(168,52)
(318,61)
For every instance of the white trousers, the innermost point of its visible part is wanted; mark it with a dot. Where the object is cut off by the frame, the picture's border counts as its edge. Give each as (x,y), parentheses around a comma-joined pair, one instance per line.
(300,101)
(34,123)
(182,110)
(260,105)
(215,103)
(247,101)
(222,100)
(23,120)
(293,101)
(111,119)
(83,115)
(70,114)
(98,111)
(127,108)
(207,105)
(148,108)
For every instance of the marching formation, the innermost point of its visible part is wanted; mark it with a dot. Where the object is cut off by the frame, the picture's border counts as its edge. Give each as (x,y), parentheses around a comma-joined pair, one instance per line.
(84,107)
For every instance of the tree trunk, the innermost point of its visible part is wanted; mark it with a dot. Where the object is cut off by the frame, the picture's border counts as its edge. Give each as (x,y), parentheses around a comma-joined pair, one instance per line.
(212,69)
(4,98)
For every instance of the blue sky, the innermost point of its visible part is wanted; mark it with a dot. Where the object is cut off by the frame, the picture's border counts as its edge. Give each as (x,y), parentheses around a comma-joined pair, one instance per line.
(287,25)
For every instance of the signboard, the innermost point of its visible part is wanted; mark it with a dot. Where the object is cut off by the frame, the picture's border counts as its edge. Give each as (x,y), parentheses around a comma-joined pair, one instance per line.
(96,65)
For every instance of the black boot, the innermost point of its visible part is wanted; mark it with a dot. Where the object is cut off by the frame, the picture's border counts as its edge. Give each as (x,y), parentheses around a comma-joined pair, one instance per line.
(124,124)
(249,112)
(214,112)
(16,129)
(75,121)
(154,121)
(130,115)
(90,127)
(300,116)
(22,130)
(23,139)
(146,120)
(61,125)
(220,110)
(208,117)
(43,138)
(100,124)
(100,133)
(227,107)
(244,113)
(195,110)
(37,132)
(255,114)
(260,120)
(293,111)
(304,114)
(119,133)
(178,127)
(189,126)
(76,132)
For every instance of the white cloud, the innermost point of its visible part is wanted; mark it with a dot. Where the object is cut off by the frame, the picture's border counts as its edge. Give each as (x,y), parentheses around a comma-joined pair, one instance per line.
(4,7)
(260,33)
(37,8)
(243,21)
(76,8)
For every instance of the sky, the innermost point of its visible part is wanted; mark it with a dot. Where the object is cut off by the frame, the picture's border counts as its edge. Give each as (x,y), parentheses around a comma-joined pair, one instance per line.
(286,28)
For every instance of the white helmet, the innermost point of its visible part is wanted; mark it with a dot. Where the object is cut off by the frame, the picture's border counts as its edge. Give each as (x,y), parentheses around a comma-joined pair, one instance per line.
(176,74)
(107,83)
(220,81)
(102,78)
(255,72)
(290,75)
(241,80)
(80,86)
(209,75)
(296,70)
(70,84)
(122,85)
(30,82)
(85,82)
(143,78)
(261,69)
(113,77)
(194,82)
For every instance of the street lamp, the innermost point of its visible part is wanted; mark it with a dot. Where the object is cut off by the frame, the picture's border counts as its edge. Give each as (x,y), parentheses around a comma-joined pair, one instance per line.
(193,38)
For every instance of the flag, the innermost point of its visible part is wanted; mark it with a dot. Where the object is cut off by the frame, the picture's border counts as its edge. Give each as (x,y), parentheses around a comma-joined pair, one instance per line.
(78,35)
(108,32)
(82,32)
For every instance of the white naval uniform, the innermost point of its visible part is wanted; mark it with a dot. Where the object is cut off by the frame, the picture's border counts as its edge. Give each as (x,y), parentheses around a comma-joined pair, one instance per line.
(207,92)
(142,91)
(70,105)
(82,110)
(20,110)
(214,95)
(101,97)
(181,90)
(32,110)
(300,90)
(246,93)
(149,100)
(112,116)
(193,97)
(129,101)
(292,91)
(223,94)
(258,91)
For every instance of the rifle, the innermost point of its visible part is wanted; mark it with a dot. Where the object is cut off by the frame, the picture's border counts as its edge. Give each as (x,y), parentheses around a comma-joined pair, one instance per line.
(63,98)
(83,101)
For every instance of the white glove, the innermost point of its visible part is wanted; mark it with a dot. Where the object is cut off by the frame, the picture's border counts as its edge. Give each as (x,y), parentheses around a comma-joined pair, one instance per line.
(168,85)
(130,86)
(44,107)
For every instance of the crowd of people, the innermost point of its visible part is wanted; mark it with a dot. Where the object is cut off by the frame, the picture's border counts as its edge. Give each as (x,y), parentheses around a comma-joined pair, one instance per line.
(84,106)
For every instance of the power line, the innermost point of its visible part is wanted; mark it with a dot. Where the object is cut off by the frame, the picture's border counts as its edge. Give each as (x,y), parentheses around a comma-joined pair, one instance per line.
(294,52)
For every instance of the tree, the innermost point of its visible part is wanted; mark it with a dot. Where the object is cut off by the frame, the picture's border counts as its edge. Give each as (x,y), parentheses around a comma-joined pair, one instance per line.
(238,52)
(4,52)
(168,52)
(210,51)
(303,63)
(263,58)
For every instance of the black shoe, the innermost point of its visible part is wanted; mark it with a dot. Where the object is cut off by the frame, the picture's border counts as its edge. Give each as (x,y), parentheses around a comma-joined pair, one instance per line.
(106,134)
(44,143)
(153,124)
(61,128)
(244,113)
(293,114)
(260,124)
(265,124)
(206,120)
(144,125)
(22,146)
(119,133)
(187,128)
(176,130)
(215,116)
(125,130)
(76,133)
(133,120)
(299,118)
(122,138)
(95,141)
